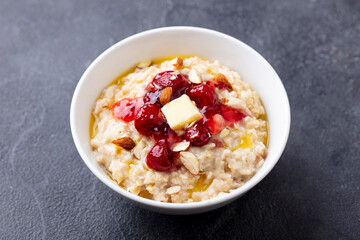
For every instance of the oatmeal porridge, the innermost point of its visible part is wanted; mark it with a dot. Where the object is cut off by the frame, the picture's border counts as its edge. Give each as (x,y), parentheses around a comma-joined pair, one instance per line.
(179,130)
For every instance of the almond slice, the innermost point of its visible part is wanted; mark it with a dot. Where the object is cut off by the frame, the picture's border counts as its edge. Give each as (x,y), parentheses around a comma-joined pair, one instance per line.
(144,64)
(181,146)
(125,142)
(173,190)
(191,124)
(165,96)
(178,63)
(194,76)
(224,132)
(221,78)
(190,162)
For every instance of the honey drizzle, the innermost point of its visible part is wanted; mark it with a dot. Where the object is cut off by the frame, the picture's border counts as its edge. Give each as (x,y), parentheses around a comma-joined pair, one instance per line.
(145,194)
(201,185)
(245,141)
(267,137)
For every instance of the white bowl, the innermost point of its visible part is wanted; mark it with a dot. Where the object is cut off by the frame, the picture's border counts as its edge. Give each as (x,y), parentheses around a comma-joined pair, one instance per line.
(170,41)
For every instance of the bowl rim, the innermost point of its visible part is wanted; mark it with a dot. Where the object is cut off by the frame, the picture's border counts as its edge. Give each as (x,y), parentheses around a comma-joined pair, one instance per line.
(179,206)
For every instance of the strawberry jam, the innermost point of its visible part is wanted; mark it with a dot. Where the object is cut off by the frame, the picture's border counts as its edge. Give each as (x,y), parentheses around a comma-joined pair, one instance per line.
(203,95)
(149,120)
(198,134)
(160,157)
(152,97)
(126,109)
(232,115)
(206,100)
(177,81)
(216,123)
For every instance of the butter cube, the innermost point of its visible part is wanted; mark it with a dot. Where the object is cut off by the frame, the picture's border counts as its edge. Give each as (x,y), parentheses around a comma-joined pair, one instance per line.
(180,112)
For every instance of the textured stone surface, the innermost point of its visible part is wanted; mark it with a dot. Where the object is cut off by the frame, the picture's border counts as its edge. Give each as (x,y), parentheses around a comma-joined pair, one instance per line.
(47,192)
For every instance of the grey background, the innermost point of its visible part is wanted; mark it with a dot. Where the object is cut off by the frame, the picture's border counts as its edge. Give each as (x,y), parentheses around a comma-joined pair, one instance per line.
(46,191)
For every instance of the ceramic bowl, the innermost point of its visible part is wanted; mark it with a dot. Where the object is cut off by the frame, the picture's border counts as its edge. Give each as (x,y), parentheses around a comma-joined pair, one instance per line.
(171,41)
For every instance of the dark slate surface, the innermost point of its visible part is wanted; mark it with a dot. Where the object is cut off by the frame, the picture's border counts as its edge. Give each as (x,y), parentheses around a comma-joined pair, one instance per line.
(46,191)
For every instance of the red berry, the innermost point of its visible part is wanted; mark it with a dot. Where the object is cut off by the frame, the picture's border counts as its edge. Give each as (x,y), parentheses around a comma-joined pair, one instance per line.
(148,120)
(203,95)
(160,157)
(215,123)
(176,80)
(198,134)
(126,108)
(173,138)
(232,114)
(162,132)
(152,97)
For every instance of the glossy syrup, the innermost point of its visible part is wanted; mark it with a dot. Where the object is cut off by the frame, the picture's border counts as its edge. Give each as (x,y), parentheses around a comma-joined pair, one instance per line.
(201,185)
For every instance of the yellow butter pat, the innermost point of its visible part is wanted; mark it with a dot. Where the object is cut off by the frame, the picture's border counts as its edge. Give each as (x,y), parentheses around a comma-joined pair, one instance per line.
(180,112)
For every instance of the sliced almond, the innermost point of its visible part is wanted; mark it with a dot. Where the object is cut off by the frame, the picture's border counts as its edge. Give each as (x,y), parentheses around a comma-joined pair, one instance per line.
(190,162)
(179,132)
(125,142)
(178,63)
(224,132)
(165,96)
(221,78)
(144,64)
(191,124)
(181,146)
(194,76)
(173,190)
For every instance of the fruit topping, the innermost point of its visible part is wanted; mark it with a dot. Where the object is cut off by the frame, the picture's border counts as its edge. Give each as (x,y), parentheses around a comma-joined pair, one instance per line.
(173,79)
(198,134)
(160,157)
(126,108)
(148,120)
(203,95)
(232,114)
(174,101)
(152,97)
(216,123)
(173,138)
